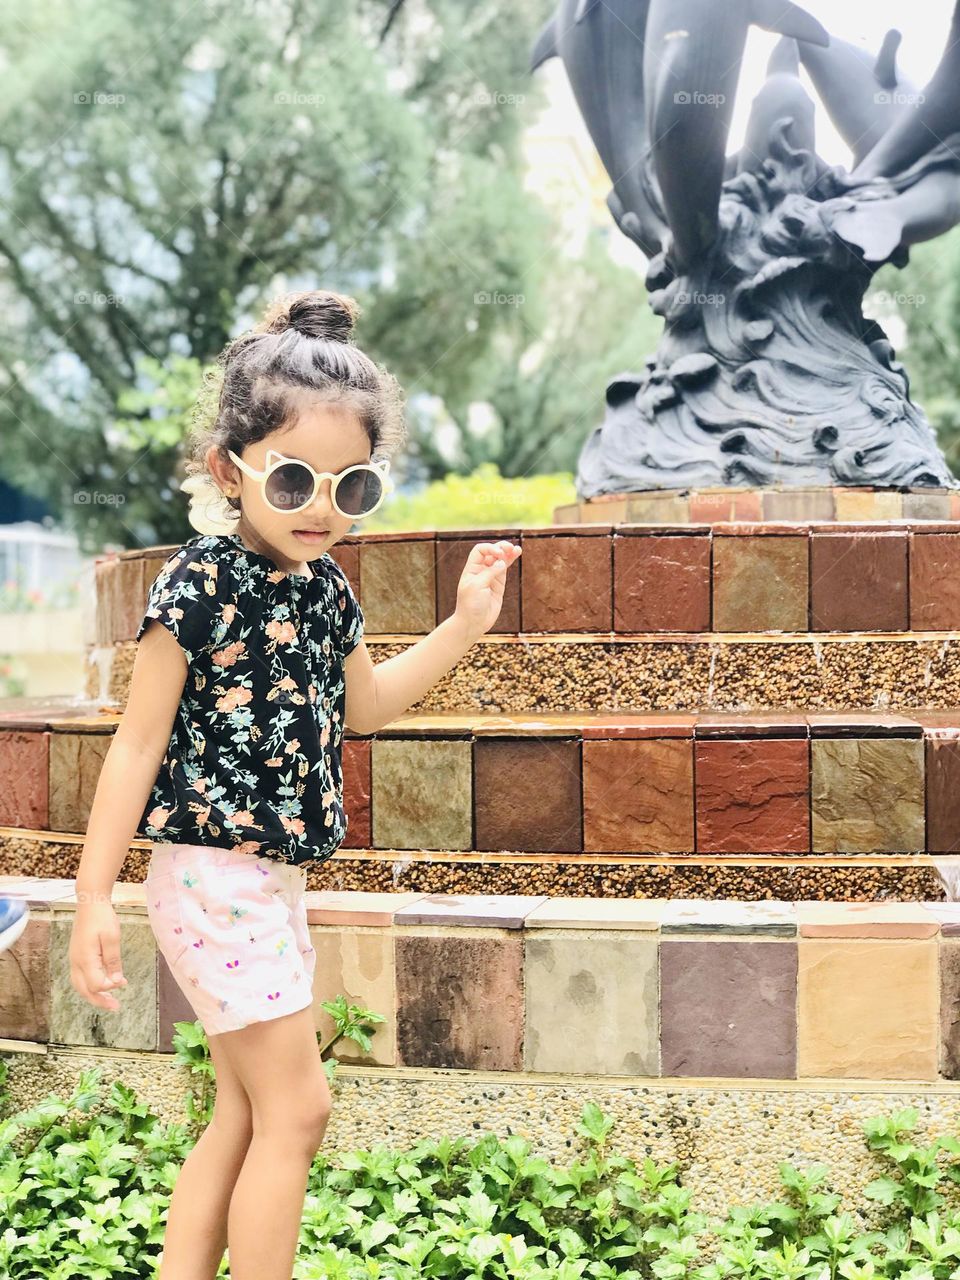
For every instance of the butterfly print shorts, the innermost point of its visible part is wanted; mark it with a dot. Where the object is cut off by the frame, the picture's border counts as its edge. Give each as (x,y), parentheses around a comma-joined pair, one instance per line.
(232,928)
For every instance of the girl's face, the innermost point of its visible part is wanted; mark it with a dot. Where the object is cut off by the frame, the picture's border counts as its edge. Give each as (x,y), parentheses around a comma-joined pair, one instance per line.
(329,438)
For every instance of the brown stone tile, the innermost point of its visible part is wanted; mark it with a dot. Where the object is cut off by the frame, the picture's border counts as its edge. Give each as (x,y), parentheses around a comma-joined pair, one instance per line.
(106,573)
(527,795)
(173,1006)
(638,796)
(950,1010)
(867,795)
(935,581)
(926,506)
(567,583)
(399,586)
(652,725)
(441,983)
(452,555)
(798,504)
(421,794)
(75,763)
(595,530)
(943,795)
(569,514)
(25,983)
(868,1009)
(642,915)
(661,583)
(760,584)
(358,965)
(728,1008)
(606,987)
(355,907)
(498,911)
(858,581)
(753,797)
(347,556)
(356,792)
(715,505)
(755,724)
(868,504)
(609,507)
(686,917)
(862,724)
(24,762)
(866,920)
(652,508)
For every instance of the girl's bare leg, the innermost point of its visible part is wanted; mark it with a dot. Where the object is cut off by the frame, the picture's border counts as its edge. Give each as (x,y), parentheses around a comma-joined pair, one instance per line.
(279,1065)
(196,1234)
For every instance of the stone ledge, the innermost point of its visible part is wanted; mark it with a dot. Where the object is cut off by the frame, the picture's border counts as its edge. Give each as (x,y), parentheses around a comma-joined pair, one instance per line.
(683,989)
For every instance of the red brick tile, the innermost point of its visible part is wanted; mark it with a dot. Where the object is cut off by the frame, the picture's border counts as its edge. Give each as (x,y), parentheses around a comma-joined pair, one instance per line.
(753,797)
(661,583)
(858,582)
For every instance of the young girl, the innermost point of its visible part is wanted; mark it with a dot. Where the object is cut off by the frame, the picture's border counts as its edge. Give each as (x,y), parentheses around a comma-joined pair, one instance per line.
(227,757)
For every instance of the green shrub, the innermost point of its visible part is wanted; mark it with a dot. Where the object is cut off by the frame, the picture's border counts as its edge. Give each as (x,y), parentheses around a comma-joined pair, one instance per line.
(482,500)
(84,1186)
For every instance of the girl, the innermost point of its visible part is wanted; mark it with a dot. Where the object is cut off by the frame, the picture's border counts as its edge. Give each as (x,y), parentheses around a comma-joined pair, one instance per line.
(227,757)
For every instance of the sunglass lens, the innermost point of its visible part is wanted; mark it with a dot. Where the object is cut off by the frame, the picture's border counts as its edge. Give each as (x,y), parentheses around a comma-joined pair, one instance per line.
(359,491)
(289,487)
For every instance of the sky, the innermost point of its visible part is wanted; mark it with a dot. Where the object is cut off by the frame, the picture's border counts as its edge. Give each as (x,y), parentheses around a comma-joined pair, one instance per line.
(924,24)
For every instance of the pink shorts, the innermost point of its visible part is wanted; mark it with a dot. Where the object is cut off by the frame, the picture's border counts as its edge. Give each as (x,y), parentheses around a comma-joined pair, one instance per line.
(232,928)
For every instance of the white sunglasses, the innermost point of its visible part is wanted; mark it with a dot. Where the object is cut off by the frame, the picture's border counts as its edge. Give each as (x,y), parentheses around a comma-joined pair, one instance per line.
(290,484)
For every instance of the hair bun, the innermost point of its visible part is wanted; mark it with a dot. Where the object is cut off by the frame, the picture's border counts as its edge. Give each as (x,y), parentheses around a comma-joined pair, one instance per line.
(316,313)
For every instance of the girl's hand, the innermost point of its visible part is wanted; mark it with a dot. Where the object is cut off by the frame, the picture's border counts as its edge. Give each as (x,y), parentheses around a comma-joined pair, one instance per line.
(480,590)
(95,954)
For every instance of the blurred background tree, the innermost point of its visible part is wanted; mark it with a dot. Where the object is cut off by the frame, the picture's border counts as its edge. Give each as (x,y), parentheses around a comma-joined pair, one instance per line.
(924,300)
(166,170)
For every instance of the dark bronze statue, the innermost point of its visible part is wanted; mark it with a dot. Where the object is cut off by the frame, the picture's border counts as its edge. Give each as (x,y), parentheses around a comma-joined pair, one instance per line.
(767,371)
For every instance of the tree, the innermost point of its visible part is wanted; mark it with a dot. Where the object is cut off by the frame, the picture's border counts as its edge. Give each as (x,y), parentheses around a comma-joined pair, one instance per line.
(165,169)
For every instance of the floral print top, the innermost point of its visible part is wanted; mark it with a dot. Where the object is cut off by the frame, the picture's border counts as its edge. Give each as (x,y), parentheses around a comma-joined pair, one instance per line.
(253,761)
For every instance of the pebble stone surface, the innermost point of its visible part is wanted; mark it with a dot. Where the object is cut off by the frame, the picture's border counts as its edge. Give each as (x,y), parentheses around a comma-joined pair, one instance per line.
(811,879)
(739,673)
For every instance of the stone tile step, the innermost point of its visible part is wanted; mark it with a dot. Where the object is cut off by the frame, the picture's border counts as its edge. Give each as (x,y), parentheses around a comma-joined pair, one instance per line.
(625,577)
(517,983)
(789,783)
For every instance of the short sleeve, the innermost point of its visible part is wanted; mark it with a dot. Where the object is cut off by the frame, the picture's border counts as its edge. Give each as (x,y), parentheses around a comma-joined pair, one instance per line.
(187,598)
(349,616)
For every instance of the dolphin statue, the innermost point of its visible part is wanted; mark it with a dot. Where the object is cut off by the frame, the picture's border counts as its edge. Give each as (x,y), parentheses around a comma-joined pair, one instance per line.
(782,95)
(691,68)
(933,118)
(863,93)
(601,47)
